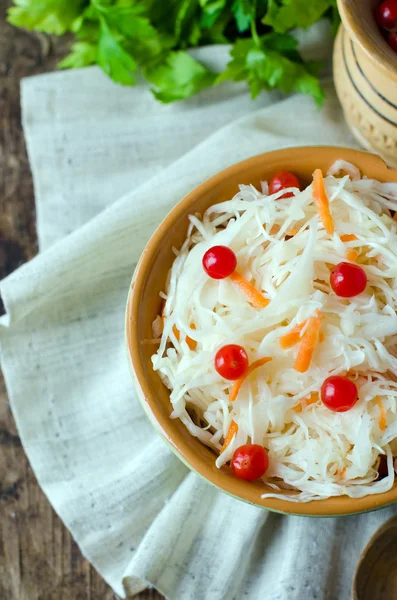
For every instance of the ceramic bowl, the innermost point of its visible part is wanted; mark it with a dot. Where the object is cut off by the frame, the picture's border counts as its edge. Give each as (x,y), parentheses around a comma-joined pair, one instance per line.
(365,75)
(144,304)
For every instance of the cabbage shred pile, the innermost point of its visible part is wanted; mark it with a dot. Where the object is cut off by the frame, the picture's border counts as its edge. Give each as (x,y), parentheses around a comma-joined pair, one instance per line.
(313,450)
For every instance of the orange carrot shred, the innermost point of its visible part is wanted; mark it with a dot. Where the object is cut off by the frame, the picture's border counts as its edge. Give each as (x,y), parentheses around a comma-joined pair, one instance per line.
(239,382)
(233,429)
(341,472)
(275,229)
(292,337)
(309,341)
(191,343)
(322,203)
(351,254)
(382,414)
(312,399)
(348,237)
(249,290)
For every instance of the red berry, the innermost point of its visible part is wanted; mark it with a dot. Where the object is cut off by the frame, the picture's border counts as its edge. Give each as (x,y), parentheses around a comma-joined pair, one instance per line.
(348,280)
(219,262)
(392,40)
(386,14)
(231,361)
(250,462)
(283,180)
(339,393)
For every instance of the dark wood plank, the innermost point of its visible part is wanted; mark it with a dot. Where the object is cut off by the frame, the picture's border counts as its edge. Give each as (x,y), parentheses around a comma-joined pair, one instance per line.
(38,558)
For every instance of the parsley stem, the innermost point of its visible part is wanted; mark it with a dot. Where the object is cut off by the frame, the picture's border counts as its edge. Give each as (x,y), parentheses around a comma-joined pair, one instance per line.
(254,32)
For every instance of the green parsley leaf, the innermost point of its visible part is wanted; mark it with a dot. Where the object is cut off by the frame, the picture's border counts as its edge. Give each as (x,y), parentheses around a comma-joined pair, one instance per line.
(211,11)
(113,59)
(128,20)
(179,77)
(244,13)
(218,32)
(335,19)
(186,20)
(177,18)
(140,38)
(124,35)
(280,42)
(82,55)
(87,26)
(50,16)
(266,68)
(284,15)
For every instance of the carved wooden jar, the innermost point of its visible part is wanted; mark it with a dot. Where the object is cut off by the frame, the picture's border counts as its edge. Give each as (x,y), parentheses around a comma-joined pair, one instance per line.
(365,74)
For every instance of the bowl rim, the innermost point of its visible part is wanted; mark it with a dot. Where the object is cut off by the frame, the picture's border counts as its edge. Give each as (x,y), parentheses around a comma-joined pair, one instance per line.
(329,507)
(381,53)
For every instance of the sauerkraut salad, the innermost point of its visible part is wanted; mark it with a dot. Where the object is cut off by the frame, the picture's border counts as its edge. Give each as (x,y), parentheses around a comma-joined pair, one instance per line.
(311,403)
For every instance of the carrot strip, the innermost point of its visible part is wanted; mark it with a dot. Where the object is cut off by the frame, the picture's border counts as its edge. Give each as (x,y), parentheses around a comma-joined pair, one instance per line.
(275,229)
(352,255)
(292,337)
(252,293)
(233,429)
(382,414)
(239,382)
(176,332)
(312,399)
(191,343)
(309,341)
(341,472)
(322,203)
(348,237)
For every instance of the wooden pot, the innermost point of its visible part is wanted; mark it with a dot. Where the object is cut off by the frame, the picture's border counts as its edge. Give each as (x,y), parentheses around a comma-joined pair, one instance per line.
(365,75)
(376,572)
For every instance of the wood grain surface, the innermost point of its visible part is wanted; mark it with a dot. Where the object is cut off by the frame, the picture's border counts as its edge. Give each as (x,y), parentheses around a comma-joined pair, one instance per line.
(38,558)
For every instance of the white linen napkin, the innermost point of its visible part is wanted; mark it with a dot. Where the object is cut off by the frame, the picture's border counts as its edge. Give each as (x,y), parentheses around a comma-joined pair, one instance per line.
(134,509)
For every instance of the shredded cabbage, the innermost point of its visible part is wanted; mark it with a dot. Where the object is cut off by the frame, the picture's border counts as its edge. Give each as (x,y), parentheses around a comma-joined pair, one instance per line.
(317,452)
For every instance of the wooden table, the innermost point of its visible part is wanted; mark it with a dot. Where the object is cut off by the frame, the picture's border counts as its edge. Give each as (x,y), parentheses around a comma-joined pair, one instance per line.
(38,558)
